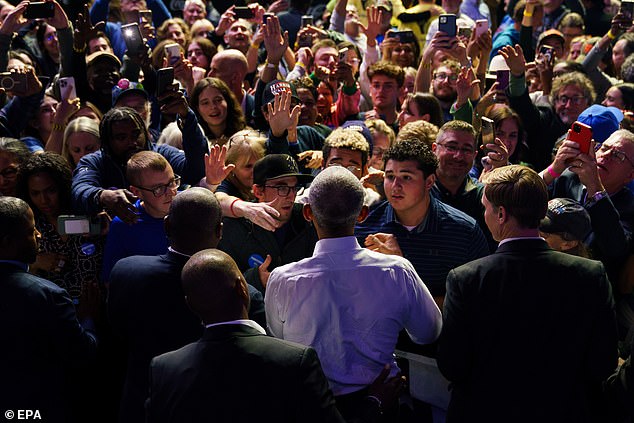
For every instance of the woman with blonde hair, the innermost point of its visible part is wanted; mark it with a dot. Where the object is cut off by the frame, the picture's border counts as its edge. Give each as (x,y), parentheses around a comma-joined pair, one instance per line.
(229,173)
(81,137)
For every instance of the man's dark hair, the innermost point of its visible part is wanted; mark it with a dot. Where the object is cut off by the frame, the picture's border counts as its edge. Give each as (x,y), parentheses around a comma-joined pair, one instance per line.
(191,211)
(628,49)
(12,213)
(627,94)
(56,167)
(521,191)
(627,69)
(415,150)
(120,114)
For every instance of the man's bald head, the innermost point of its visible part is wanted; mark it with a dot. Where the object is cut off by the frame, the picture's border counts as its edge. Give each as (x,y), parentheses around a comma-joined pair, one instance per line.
(230,66)
(194,221)
(214,287)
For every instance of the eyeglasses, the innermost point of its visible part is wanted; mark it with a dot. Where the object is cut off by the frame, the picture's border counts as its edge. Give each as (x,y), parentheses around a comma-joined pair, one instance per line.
(441,76)
(160,190)
(353,169)
(576,100)
(617,154)
(284,190)
(452,149)
(51,36)
(9,173)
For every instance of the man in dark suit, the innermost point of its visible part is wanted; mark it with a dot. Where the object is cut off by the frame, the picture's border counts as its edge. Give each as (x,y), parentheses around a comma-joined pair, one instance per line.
(234,373)
(529,333)
(41,337)
(146,304)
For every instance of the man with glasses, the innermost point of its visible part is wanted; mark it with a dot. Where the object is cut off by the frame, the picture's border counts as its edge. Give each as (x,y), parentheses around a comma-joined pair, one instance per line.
(455,149)
(153,181)
(257,251)
(444,86)
(571,93)
(599,182)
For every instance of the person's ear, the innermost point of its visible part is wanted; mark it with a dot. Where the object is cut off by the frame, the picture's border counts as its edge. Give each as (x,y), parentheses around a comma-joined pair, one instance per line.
(429,181)
(426,117)
(307,212)
(434,147)
(502,214)
(363,214)
(258,192)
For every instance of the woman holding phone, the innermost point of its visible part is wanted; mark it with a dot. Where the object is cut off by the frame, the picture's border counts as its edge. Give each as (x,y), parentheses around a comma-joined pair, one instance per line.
(70,261)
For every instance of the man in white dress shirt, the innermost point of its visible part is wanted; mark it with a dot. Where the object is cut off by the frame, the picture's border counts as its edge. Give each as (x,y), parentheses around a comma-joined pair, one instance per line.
(347,302)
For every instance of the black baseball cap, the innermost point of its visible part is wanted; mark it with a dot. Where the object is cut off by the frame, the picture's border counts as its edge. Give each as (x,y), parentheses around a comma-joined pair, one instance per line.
(566,215)
(277,87)
(274,166)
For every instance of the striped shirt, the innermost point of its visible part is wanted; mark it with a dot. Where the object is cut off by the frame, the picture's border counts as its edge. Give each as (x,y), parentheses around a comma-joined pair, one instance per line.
(447,238)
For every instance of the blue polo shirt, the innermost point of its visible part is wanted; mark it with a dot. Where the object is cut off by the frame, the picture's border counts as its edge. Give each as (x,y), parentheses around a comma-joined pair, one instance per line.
(445,239)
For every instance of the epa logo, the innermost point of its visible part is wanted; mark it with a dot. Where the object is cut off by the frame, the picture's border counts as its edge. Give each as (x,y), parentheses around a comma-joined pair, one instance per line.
(23,415)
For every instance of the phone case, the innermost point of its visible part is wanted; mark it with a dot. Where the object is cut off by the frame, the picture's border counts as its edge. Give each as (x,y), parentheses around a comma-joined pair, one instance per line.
(173,53)
(39,10)
(488,131)
(67,88)
(447,24)
(582,135)
(502,77)
(243,12)
(132,37)
(164,79)
(482,26)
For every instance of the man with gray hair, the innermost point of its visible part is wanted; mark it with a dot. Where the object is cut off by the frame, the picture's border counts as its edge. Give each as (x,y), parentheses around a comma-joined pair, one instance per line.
(347,292)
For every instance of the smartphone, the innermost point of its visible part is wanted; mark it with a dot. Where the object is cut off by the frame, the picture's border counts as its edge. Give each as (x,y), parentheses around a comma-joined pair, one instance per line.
(243,12)
(481,27)
(502,78)
(266,17)
(305,40)
(548,52)
(39,10)
(67,88)
(173,53)
(342,54)
(447,24)
(627,9)
(488,130)
(465,31)
(145,16)
(307,20)
(582,135)
(164,80)
(78,225)
(132,37)
(13,81)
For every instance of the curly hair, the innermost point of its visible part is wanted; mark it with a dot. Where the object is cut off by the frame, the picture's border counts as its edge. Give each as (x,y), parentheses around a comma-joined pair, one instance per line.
(421,130)
(347,139)
(576,79)
(235,117)
(415,150)
(14,147)
(387,69)
(306,83)
(54,166)
(162,32)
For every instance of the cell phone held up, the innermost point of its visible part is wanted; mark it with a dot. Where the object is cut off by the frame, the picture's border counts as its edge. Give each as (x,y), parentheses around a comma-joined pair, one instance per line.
(582,135)
(488,130)
(243,12)
(404,37)
(447,24)
(39,10)
(173,53)
(13,81)
(502,78)
(132,37)
(67,87)
(164,80)
(627,9)
(548,52)
(307,20)
(78,225)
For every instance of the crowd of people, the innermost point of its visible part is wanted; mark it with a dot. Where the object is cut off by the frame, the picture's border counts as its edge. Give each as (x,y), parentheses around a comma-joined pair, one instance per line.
(380,211)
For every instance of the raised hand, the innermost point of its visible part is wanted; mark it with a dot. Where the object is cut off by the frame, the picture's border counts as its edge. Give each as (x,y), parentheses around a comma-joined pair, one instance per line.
(274,42)
(514,57)
(215,169)
(281,117)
